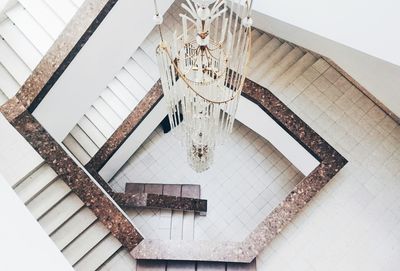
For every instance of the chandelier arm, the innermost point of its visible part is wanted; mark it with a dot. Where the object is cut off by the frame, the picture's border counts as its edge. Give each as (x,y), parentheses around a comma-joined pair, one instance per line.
(183,77)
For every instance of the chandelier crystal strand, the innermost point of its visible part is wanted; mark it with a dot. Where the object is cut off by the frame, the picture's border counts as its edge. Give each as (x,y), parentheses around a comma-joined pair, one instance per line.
(202,73)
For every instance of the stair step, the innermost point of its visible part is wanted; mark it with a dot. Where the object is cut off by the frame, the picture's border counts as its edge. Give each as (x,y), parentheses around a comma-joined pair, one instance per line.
(83,139)
(115,103)
(60,213)
(120,90)
(20,44)
(282,66)
(138,73)
(107,113)
(274,58)
(293,72)
(35,183)
(255,34)
(151,265)
(181,266)
(242,266)
(85,242)
(146,63)
(97,256)
(131,84)
(259,43)
(120,261)
(98,120)
(8,84)
(46,18)
(211,266)
(64,9)
(48,198)
(31,29)
(92,131)
(264,52)
(73,227)
(76,149)
(14,65)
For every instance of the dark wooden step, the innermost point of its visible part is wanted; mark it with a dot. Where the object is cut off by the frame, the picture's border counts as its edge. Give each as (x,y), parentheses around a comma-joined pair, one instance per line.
(177,190)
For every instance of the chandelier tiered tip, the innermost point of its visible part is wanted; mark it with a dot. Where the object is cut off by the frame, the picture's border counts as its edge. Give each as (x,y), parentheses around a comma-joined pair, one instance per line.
(202,73)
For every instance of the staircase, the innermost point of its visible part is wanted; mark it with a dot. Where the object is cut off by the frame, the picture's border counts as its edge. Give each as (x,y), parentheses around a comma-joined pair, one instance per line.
(29,30)
(85,242)
(75,230)
(120,97)
(275,63)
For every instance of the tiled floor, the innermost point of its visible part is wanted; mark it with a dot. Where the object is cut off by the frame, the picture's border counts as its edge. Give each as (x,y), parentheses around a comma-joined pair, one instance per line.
(354,222)
(249,178)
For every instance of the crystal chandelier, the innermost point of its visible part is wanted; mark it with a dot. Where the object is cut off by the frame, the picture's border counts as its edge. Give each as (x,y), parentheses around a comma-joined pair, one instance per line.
(202,73)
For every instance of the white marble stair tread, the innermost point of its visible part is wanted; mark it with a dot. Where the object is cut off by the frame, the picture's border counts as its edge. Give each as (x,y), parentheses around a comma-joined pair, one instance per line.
(120,261)
(60,213)
(64,9)
(98,120)
(131,84)
(263,53)
(255,34)
(76,149)
(138,73)
(85,242)
(176,225)
(259,43)
(20,44)
(146,63)
(92,131)
(98,255)
(14,65)
(31,29)
(48,198)
(46,17)
(8,84)
(72,228)
(150,49)
(293,72)
(115,103)
(84,141)
(107,113)
(35,183)
(273,59)
(282,66)
(121,91)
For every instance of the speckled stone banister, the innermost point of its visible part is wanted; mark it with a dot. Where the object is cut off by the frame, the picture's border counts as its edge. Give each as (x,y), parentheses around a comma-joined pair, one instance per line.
(330,163)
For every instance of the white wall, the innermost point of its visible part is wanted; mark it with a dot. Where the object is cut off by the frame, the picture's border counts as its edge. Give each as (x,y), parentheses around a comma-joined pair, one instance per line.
(109,48)
(24,245)
(361,37)
(255,118)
